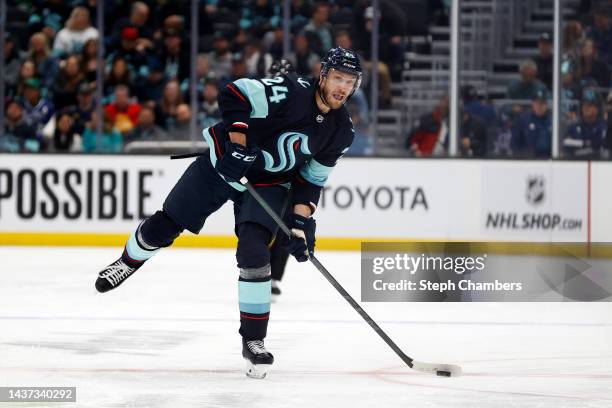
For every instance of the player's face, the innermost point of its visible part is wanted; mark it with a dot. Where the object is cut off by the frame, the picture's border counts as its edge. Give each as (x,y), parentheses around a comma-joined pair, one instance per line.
(337,87)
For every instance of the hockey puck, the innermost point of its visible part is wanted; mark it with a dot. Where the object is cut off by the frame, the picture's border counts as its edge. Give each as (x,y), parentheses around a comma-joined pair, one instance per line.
(443,373)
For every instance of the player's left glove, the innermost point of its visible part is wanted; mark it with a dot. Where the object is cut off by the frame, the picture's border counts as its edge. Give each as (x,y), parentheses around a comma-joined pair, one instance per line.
(302,242)
(236,161)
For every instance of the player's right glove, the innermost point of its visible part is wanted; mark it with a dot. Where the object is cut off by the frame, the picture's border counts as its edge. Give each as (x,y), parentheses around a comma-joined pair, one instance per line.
(281,67)
(301,244)
(236,161)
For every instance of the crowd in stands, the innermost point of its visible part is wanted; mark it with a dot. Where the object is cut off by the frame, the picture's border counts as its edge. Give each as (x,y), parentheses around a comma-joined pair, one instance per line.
(523,128)
(51,64)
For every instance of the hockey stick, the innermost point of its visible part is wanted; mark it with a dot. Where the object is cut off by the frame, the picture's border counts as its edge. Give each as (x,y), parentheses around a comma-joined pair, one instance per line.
(444,370)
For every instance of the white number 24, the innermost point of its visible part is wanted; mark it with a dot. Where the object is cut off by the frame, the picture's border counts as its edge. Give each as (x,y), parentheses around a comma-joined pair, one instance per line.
(278,92)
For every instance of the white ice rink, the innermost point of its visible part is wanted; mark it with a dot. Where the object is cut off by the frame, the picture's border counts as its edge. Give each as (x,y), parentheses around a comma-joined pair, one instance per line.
(168,338)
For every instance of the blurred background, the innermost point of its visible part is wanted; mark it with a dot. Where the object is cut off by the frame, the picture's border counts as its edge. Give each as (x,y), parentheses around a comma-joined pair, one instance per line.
(142,76)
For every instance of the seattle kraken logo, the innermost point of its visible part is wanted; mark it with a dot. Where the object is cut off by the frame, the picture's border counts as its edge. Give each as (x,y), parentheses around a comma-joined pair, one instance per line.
(286,153)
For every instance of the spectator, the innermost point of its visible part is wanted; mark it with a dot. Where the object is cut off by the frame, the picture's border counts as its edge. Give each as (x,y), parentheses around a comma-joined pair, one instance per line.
(240,42)
(258,61)
(111,139)
(585,139)
(239,67)
(529,85)
(122,113)
(260,16)
(174,56)
(149,83)
(18,134)
(362,144)
(138,20)
(180,130)
(165,111)
(474,107)
(12,63)
(429,137)
(544,60)
(571,91)
(318,30)
(601,32)
(146,129)
(203,75)
(26,71)
(273,42)
(175,22)
(591,67)
(209,109)
(573,36)
(392,30)
(89,60)
(301,12)
(303,58)
(473,136)
(363,41)
(84,107)
(57,7)
(119,74)
(220,59)
(67,82)
(532,132)
(38,110)
(47,67)
(136,53)
(91,6)
(65,136)
(76,32)
(52,24)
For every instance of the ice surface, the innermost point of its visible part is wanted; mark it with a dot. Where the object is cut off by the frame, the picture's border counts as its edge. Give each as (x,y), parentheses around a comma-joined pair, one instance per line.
(168,338)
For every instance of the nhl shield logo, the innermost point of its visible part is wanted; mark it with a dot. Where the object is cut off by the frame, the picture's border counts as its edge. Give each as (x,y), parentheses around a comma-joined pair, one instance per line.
(319,118)
(535,190)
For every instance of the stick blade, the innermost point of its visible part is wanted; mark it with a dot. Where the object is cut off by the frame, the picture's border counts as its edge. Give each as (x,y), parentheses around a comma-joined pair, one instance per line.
(442,370)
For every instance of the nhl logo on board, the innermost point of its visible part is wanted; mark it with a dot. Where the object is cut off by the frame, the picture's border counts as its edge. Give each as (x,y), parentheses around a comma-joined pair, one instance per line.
(319,118)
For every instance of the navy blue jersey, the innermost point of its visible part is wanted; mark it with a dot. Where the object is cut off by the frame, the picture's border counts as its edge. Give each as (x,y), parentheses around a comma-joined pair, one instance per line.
(299,144)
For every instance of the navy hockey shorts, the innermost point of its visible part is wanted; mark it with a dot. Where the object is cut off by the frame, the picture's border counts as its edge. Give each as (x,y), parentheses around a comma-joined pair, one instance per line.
(201,191)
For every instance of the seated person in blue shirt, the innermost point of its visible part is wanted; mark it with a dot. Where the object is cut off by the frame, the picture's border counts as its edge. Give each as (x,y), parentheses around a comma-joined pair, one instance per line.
(585,139)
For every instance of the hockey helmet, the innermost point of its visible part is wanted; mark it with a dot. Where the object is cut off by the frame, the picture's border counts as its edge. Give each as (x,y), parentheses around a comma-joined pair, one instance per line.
(344,60)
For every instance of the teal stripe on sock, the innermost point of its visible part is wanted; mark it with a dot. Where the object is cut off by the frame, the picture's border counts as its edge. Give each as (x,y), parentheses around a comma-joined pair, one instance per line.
(255,292)
(255,308)
(137,253)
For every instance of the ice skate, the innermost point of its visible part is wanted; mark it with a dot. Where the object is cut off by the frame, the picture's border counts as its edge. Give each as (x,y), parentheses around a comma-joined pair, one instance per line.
(258,359)
(114,275)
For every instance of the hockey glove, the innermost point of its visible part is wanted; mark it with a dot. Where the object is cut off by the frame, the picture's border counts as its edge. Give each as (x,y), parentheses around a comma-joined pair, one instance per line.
(281,67)
(301,244)
(236,161)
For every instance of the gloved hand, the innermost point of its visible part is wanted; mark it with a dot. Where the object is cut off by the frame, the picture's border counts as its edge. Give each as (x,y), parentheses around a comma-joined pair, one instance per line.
(281,67)
(236,161)
(301,244)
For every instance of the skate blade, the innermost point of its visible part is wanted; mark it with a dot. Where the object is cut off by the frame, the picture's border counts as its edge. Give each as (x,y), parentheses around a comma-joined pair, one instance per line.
(257,371)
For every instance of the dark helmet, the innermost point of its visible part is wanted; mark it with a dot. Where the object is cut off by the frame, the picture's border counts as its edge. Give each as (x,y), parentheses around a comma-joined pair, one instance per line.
(343,60)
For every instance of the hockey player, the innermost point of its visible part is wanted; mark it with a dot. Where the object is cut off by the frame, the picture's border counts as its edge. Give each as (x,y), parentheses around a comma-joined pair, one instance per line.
(283,133)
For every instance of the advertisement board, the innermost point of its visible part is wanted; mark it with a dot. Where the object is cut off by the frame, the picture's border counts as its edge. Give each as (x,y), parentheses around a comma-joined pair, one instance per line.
(364,199)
